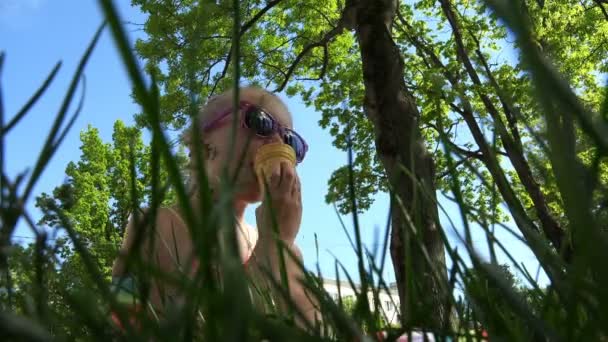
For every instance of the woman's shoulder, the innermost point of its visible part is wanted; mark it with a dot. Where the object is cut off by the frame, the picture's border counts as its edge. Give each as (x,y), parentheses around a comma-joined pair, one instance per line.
(171,211)
(252,232)
(167,219)
(145,225)
(162,213)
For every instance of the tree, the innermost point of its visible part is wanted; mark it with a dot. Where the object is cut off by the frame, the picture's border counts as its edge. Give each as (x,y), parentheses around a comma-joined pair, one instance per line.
(490,290)
(349,305)
(97,197)
(97,200)
(388,79)
(40,286)
(173,30)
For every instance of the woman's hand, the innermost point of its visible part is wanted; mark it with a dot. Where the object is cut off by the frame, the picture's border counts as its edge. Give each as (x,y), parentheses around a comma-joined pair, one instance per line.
(284,197)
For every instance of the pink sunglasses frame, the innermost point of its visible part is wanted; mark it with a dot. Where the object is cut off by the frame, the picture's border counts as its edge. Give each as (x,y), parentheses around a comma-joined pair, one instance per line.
(243,105)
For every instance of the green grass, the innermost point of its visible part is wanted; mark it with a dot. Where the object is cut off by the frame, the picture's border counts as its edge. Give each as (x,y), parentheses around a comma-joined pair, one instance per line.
(570,308)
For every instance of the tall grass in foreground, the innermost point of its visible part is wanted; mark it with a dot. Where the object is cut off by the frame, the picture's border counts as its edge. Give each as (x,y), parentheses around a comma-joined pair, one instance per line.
(229,306)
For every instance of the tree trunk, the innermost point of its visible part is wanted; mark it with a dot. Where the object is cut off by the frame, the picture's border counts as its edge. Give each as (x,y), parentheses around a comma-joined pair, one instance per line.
(409,167)
(512,144)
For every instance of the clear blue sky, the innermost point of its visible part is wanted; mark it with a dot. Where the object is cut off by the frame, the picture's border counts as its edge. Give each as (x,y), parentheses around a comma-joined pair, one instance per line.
(35,34)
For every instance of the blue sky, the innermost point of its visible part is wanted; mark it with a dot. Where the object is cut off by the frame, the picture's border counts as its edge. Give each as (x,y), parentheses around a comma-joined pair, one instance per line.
(35,34)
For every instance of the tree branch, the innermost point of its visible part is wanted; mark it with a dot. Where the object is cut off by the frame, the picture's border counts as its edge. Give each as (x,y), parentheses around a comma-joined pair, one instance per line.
(412,38)
(323,42)
(345,22)
(509,112)
(323,68)
(601,6)
(242,31)
(453,168)
(550,226)
(272,66)
(513,203)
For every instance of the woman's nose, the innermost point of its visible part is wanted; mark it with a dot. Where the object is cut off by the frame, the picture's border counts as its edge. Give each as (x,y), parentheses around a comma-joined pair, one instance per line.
(275,138)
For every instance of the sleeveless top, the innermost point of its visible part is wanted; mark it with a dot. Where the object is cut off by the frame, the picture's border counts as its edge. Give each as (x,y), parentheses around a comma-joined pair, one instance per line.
(195,263)
(125,286)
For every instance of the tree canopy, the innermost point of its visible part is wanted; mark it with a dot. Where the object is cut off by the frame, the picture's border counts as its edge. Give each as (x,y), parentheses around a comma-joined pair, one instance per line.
(99,194)
(500,106)
(460,63)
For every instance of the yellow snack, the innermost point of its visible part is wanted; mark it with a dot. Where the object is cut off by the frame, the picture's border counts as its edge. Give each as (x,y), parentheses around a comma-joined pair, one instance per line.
(269,155)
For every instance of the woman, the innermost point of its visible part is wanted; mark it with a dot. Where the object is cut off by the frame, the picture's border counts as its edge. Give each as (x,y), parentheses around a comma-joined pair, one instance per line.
(263,118)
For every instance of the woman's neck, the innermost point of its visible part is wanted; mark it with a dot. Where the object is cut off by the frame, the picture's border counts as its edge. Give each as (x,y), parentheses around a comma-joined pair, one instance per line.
(238,205)
(239,211)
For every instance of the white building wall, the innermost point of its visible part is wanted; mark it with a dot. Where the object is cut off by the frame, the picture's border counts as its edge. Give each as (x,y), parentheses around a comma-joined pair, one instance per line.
(389,301)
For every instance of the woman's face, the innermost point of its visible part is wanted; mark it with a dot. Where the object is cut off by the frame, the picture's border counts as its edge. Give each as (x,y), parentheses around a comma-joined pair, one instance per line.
(217,144)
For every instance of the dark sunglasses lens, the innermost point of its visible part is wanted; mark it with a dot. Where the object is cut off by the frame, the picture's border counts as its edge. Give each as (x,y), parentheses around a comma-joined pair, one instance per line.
(296,143)
(259,121)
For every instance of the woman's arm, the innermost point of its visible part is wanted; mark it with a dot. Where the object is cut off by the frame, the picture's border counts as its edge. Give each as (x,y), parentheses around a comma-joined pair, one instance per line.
(283,200)
(266,259)
(147,247)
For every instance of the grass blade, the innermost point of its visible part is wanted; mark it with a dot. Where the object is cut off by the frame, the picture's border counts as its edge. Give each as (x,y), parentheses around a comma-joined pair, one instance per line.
(30,103)
(51,144)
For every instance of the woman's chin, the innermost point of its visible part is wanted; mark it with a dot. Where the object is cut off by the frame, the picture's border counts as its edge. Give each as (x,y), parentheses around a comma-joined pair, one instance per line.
(250,192)
(250,197)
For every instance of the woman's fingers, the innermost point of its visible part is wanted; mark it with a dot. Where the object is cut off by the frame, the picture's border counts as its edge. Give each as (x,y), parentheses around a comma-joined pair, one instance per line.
(283,181)
(295,189)
(274,178)
(288,175)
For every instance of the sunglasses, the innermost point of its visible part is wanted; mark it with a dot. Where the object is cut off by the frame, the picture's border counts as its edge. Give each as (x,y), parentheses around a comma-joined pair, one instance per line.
(264,125)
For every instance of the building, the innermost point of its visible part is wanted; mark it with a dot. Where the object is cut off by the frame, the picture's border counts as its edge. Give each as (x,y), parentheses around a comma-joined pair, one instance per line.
(389,300)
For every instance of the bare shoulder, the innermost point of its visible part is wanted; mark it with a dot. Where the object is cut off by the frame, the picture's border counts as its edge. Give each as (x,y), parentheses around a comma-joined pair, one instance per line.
(169,223)
(145,226)
(252,234)
(145,234)
(174,246)
(297,252)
